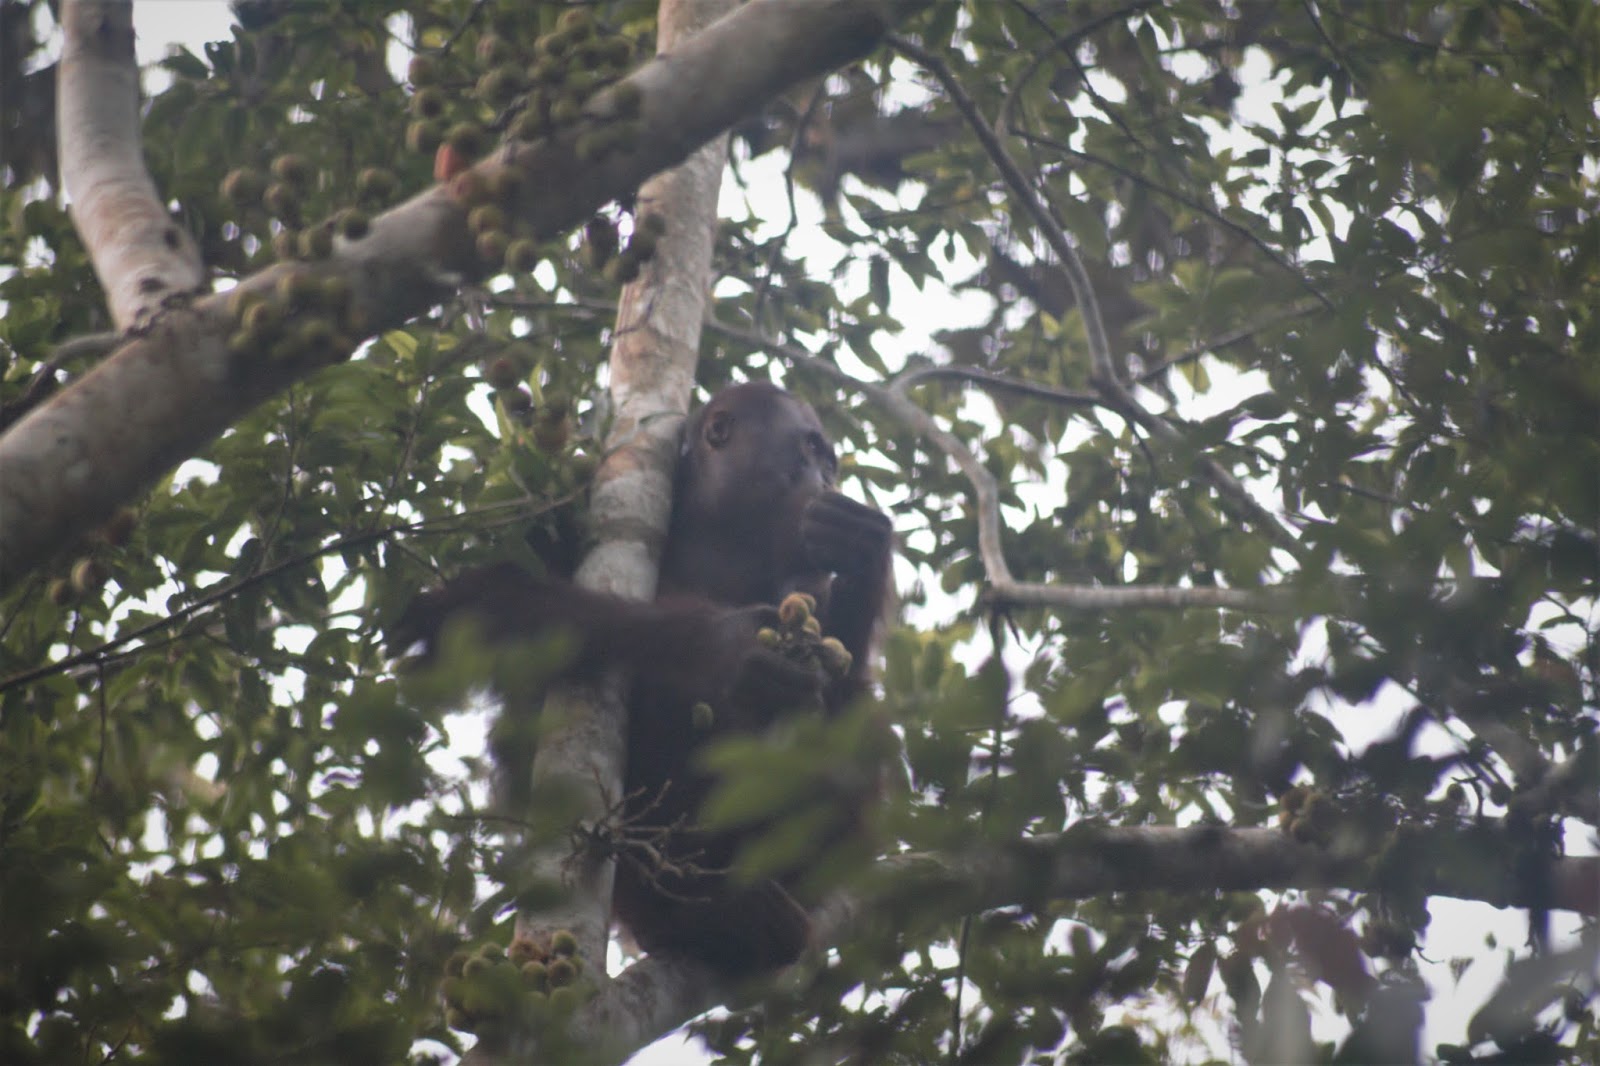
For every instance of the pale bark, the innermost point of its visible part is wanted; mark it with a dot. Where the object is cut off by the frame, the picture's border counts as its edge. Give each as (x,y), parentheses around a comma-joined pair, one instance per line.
(140,254)
(645,1002)
(167,393)
(654,349)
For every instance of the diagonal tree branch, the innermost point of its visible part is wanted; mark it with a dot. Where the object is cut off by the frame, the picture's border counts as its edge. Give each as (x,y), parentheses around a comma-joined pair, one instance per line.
(1089,860)
(1239,230)
(169,391)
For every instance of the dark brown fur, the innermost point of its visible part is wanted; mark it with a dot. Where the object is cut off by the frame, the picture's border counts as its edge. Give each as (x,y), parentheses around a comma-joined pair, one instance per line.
(755,517)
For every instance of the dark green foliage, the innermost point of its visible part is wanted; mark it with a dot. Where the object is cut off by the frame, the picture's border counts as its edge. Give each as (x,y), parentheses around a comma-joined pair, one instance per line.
(228,832)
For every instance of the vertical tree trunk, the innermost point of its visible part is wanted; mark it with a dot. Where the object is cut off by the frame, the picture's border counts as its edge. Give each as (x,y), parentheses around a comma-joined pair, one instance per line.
(653,355)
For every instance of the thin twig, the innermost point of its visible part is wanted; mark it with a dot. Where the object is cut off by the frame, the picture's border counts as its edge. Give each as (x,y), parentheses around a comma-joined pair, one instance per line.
(1062,43)
(1227,340)
(1104,376)
(1094,94)
(781,241)
(1071,264)
(209,599)
(1192,204)
(1338,53)
(994,382)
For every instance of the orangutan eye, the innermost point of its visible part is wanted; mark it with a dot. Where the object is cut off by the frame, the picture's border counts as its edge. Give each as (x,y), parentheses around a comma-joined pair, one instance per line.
(719,428)
(822,452)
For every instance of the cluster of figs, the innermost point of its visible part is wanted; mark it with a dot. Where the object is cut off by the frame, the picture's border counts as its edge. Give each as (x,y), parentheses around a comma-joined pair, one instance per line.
(486,988)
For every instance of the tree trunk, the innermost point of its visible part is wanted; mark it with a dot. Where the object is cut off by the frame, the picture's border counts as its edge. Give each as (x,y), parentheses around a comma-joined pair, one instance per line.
(655,344)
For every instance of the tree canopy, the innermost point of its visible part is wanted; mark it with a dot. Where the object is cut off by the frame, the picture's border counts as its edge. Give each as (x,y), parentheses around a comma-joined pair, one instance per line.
(1231,370)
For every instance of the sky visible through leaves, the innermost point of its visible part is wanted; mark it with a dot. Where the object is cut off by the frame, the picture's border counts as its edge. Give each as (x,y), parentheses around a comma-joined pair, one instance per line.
(1458,928)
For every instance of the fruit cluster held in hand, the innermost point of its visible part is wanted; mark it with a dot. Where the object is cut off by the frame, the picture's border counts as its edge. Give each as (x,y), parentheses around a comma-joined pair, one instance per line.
(799,637)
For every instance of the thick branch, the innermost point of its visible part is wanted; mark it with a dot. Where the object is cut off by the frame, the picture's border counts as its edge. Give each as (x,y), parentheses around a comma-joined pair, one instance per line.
(169,392)
(1128,597)
(141,256)
(1088,861)
(642,1004)
(654,997)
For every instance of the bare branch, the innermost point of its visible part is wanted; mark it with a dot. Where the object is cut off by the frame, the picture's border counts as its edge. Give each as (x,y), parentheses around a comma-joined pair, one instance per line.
(1129,597)
(140,254)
